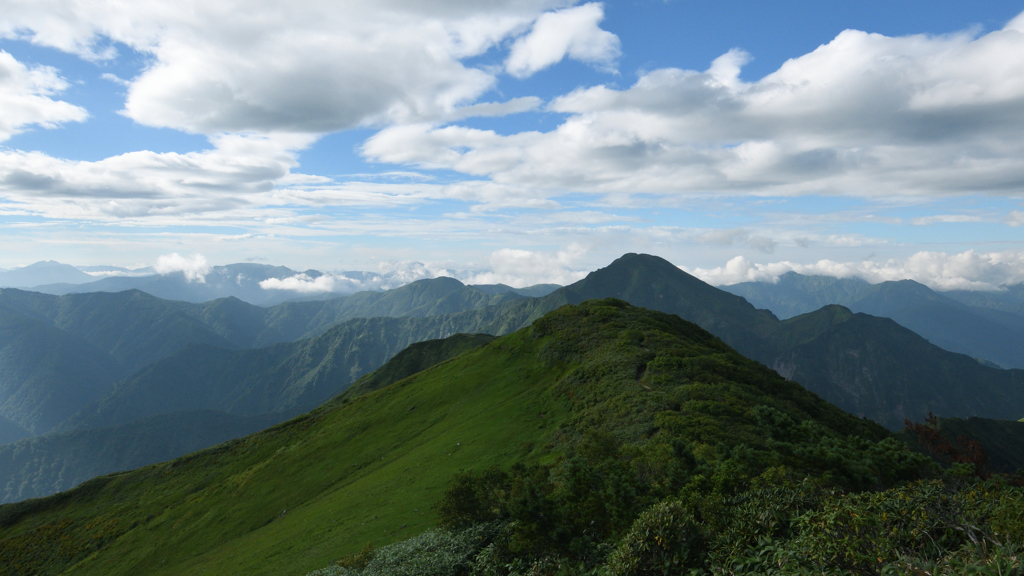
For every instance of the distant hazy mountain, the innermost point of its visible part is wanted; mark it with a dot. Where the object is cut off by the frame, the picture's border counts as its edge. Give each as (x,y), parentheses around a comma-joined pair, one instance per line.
(238,280)
(983,332)
(287,376)
(376,467)
(48,272)
(44,465)
(1010,299)
(534,291)
(867,365)
(134,328)
(794,294)
(250,326)
(58,353)
(11,432)
(47,374)
(41,466)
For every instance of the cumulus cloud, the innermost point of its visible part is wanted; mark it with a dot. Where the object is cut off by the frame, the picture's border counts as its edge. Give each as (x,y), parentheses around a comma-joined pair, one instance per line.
(26,98)
(195,267)
(513,267)
(393,274)
(864,115)
(138,184)
(521,268)
(306,284)
(400,272)
(310,67)
(573,32)
(964,271)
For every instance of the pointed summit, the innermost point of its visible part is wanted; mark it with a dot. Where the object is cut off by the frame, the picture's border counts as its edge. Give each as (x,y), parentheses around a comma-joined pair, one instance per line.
(655,283)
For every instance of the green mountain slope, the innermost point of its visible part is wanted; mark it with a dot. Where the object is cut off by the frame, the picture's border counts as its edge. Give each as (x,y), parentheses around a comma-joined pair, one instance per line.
(11,432)
(293,498)
(1002,440)
(873,367)
(44,465)
(47,464)
(250,326)
(795,294)
(869,367)
(415,358)
(949,321)
(248,382)
(866,365)
(134,328)
(1011,299)
(46,374)
(655,283)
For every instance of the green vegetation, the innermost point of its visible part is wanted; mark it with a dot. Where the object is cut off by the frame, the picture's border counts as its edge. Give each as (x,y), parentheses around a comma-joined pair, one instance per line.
(589,439)
(869,366)
(44,465)
(874,367)
(1001,440)
(983,325)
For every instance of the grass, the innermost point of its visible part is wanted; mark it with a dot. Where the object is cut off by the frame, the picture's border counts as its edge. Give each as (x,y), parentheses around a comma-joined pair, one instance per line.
(324,484)
(371,469)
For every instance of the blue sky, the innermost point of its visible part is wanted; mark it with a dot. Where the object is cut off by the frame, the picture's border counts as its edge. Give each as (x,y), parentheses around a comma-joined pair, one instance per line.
(519,141)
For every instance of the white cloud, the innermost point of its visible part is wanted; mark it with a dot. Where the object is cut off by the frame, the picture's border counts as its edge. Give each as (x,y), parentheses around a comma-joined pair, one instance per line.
(864,115)
(194,267)
(238,171)
(521,268)
(964,271)
(946,219)
(1015,218)
(400,272)
(573,32)
(306,284)
(25,98)
(513,267)
(311,67)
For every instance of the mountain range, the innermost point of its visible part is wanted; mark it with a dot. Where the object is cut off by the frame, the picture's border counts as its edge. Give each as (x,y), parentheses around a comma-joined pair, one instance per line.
(45,272)
(867,365)
(241,281)
(985,325)
(584,388)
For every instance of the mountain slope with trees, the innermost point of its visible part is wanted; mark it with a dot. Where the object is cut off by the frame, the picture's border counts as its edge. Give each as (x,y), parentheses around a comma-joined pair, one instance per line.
(983,325)
(585,382)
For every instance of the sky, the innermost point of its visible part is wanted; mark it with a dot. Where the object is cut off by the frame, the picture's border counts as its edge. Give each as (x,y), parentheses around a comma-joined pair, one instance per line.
(517,141)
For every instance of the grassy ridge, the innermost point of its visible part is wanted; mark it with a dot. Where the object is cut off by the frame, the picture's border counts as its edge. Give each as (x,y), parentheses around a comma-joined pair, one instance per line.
(377,462)
(301,494)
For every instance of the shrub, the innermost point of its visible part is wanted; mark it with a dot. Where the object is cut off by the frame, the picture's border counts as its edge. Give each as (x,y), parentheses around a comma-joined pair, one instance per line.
(435,552)
(664,540)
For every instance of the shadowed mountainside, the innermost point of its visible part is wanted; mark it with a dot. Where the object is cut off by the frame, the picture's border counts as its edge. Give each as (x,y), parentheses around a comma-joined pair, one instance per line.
(982,325)
(292,498)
